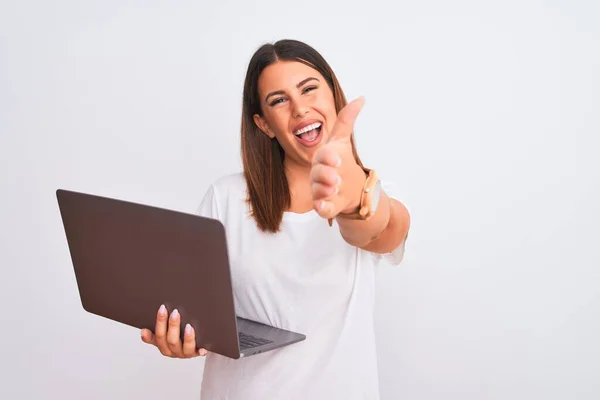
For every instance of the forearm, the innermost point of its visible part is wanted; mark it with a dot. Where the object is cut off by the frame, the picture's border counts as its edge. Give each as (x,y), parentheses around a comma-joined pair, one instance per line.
(381,233)
(360,233)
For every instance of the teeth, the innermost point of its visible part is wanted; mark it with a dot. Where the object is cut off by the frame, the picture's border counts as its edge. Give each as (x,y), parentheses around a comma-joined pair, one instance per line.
(307,128)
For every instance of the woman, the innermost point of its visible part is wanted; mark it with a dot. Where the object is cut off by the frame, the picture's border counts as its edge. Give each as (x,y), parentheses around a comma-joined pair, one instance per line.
(303,253)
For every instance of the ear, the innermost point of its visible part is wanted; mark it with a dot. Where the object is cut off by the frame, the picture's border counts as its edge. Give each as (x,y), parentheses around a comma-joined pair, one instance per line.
(262,125)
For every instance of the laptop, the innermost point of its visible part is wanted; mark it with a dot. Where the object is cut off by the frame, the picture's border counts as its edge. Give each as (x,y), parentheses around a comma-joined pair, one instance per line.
(130,258)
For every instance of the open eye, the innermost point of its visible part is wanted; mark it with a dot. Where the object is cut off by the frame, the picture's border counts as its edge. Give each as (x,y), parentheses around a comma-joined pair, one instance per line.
(276,101)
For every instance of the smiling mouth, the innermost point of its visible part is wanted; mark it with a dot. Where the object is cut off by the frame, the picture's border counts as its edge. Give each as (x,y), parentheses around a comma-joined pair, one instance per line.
(309,133)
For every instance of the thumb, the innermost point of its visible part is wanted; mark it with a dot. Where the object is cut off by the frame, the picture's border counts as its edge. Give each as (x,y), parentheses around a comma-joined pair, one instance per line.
(344,125)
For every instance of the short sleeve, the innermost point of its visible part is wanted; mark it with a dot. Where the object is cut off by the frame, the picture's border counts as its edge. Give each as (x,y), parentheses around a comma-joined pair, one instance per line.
(396,256)
(209,205)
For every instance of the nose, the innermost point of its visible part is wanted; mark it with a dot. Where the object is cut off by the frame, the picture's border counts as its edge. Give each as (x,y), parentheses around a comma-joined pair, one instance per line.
(300,109)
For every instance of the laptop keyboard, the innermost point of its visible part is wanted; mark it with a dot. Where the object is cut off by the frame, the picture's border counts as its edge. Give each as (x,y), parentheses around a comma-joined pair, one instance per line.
(249,341)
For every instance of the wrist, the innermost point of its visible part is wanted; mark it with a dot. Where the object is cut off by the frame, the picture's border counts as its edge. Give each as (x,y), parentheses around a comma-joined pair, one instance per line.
(354,190)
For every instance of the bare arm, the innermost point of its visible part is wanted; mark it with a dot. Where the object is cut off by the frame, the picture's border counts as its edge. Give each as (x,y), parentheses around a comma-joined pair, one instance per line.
(381,233)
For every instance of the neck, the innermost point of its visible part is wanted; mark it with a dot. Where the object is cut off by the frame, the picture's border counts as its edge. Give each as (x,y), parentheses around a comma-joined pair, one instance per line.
(298,177)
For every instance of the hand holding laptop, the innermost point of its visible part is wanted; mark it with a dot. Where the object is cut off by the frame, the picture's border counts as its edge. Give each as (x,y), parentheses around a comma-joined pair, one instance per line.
(115,242)
(167,336)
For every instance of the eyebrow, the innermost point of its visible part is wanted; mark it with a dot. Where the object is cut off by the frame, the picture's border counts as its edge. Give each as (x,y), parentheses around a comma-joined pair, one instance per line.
(303,82)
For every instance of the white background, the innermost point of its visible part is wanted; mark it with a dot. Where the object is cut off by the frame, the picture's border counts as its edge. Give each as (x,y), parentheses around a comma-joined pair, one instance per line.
(485,113)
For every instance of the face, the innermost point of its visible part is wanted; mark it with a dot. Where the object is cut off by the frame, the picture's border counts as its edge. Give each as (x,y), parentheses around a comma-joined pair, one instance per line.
(298,109)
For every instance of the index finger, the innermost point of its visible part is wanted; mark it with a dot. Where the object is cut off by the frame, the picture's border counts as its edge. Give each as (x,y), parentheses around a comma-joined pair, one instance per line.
(160,332)
(327,155)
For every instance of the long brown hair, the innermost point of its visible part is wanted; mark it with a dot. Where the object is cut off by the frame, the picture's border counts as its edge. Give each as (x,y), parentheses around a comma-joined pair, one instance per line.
(262,157)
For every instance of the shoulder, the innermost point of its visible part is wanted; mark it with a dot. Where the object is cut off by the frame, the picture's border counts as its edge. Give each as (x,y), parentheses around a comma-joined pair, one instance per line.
(223,193)
(230,184)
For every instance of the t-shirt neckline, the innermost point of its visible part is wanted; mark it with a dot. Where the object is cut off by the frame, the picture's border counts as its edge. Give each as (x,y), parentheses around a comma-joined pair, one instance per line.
(294,216)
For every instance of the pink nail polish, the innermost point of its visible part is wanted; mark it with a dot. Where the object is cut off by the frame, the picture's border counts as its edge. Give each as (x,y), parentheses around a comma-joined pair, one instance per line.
(188,329)
(162,310)
(175,314)
(324,206)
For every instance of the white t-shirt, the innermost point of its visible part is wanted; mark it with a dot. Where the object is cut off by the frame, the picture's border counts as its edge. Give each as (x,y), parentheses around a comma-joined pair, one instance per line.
(305,278)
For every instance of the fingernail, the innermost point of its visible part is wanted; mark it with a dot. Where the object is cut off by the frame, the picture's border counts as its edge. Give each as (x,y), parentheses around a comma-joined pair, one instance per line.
(202,352)
(338,162)
(338,180)
(175,314)
(162,310)
(188,329)
(323,205)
